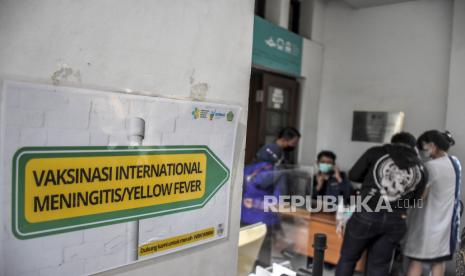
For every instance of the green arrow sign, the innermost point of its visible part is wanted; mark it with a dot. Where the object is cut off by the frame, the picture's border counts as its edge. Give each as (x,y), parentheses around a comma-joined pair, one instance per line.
(61,189)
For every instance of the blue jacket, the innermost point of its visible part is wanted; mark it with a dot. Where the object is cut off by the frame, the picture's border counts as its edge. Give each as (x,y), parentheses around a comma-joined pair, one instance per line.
(260,179)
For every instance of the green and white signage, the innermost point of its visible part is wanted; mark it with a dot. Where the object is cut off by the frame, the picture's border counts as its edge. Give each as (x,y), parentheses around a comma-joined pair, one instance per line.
(276,48)
(63,189)
(92,180)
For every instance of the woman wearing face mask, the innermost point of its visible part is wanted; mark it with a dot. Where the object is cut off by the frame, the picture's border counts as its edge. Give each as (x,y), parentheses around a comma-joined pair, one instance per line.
(433,229)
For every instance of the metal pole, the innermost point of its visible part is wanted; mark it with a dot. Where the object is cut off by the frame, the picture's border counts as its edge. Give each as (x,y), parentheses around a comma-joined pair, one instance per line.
(136,132)
(319,247)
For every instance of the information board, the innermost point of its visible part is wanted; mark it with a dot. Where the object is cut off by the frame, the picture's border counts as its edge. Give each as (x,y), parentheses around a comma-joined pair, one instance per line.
(376,126)
(94,180)
(276,48)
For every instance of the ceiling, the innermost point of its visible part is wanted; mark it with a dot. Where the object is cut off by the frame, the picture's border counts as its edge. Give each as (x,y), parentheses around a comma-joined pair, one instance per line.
(358,4)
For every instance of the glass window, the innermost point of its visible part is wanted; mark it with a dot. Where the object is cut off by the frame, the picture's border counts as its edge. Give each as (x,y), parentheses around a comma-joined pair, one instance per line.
(278,99)
(275,121)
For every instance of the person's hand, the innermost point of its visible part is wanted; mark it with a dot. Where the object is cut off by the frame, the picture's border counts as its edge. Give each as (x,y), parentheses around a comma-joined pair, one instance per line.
(248,203)
(340,230)
(337,174)
(320,180)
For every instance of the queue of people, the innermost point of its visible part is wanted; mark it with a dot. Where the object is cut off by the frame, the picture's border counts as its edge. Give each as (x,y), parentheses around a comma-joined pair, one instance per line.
(390,174)
(411,189)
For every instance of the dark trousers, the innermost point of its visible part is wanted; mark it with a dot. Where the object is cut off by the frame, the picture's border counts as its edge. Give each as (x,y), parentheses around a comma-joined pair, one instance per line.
(380,233)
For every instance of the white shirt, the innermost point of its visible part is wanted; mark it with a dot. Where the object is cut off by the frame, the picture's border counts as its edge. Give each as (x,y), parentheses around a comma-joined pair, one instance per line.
(429,228)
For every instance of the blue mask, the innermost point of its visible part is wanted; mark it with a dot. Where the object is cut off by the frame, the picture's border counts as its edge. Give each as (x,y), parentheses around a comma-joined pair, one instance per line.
(325,168)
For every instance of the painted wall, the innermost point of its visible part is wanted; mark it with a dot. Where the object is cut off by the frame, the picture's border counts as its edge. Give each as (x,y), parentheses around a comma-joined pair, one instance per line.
(186,49)
(456,97)
(386,58)
(312,14)
(310,87)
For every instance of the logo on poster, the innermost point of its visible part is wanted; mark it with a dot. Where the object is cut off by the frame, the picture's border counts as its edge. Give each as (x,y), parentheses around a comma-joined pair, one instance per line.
(230,116)
(211,115)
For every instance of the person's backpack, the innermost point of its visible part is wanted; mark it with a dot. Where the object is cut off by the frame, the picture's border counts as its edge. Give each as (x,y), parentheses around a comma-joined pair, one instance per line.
(460,257)
(259,181)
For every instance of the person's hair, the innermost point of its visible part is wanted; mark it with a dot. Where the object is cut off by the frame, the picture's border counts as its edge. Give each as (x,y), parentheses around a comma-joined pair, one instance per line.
(442,140)
(404,138)
(288,133)
(326,153)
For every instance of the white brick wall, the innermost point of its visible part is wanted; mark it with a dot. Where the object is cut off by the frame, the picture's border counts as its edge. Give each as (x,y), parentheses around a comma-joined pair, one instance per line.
(104,262)
(116,244)
(33,137)
(27,256)
(11,139)
(67,137)
(118,139)
(62,240)
(25,117)
(70,117)
(30,273)
(63,118)
(83,251)
(13,98)
(105,234)
(99,138)
(108,113)
(69,268)
(59,118)
(42,100)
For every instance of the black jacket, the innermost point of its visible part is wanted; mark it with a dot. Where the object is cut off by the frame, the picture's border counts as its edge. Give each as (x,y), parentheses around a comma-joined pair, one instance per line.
(393,172)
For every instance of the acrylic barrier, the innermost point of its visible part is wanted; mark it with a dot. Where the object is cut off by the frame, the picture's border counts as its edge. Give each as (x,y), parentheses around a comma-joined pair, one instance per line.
(293,207)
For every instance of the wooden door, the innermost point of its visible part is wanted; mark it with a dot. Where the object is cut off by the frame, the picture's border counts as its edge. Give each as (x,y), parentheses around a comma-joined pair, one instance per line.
(273,104)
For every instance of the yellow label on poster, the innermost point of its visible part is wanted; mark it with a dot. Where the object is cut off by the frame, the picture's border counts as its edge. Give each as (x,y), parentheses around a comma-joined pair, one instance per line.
(177,241)
(67,187)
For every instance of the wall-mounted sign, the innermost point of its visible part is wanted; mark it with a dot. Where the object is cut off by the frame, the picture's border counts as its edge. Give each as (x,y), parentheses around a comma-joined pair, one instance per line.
(92,180)
(277,97)
(181,240)
(377,127)
(63,189)
(276,48)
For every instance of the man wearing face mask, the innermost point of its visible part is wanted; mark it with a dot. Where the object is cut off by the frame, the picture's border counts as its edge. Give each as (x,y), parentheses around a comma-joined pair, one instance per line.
(286,142)
(329,180)
(264,178)
(393,178)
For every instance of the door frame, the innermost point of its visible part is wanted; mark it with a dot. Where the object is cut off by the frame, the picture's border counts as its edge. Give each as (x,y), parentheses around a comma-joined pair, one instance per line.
(260,81)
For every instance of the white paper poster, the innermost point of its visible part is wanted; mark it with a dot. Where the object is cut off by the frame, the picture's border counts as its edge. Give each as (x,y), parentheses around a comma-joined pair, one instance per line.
(94,180)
